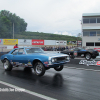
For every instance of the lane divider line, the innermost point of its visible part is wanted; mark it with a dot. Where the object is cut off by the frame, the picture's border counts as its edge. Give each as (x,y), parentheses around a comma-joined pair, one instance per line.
(83,69)
(28,91)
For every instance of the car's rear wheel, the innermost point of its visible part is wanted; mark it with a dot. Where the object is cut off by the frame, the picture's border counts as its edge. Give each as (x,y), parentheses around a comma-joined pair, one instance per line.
(7,65)
(39,69)
(88,56)
(58,68)
(93,57)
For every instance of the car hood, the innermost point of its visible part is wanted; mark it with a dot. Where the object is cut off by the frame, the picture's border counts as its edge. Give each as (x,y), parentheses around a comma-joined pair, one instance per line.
(50,54)
(54,54)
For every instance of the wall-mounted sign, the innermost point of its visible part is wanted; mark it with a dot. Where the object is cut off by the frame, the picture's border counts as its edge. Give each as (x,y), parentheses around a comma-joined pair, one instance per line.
(1,41)
(37,42)
(61,42)
(24,42)
(49,42)
(10,41)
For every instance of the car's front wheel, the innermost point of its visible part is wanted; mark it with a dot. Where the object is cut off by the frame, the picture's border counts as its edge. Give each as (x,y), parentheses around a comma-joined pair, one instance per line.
(7,65)
(39,69)
(58,68)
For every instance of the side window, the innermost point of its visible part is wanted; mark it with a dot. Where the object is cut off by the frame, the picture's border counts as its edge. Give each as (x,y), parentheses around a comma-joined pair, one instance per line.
(21,52)
(75,49)
(15,52)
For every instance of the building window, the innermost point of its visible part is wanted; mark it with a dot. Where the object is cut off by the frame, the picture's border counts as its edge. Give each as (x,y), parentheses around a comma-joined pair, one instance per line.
(97,43)
(86,33)
(89,43)
(98,33)
(92,33)
(92,20)
(98,20)
(85,20)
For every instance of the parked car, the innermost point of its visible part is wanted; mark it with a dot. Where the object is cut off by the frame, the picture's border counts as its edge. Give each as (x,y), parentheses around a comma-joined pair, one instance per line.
(34,58)
(81,52)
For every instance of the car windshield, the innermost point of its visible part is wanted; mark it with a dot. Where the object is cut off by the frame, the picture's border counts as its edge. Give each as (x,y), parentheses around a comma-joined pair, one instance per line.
(34,50)
(79,48)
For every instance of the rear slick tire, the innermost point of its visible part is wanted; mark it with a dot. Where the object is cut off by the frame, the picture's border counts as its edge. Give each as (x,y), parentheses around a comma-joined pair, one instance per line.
(7,65)
(39,69)
(87,56)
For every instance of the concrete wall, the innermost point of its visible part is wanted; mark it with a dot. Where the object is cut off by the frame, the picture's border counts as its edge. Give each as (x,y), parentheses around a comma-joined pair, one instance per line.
(91,26)
(90,39)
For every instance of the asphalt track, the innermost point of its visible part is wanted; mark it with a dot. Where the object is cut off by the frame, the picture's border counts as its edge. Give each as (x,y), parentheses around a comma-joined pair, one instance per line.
(74,82)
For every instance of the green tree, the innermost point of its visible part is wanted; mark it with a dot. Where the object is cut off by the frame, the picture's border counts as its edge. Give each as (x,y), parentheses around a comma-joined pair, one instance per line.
(6,24)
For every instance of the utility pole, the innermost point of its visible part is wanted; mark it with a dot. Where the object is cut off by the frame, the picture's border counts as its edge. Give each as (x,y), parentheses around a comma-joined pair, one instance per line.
(13,30)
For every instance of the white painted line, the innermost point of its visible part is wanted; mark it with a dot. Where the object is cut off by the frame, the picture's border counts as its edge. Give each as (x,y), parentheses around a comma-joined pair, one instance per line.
(89,69)
(96,70)
(28,91)
(83,69)
(71,67)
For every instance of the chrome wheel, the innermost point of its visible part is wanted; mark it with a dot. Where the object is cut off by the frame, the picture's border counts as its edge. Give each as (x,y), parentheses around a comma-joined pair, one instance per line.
(39,68)
(88,56)
(58,67)
(6,64)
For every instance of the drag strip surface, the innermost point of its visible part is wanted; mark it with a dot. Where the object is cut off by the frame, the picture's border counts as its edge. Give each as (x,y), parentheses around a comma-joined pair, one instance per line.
(71,83)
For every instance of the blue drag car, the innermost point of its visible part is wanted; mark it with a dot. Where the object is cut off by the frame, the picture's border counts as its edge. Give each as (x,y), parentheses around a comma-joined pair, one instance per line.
(34,57)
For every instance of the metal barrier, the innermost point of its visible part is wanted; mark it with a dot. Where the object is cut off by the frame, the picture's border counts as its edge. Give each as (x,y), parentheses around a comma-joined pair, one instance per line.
(3,49)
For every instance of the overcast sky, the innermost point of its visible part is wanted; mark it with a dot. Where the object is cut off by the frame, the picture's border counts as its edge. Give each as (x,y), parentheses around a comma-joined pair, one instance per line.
(52,16)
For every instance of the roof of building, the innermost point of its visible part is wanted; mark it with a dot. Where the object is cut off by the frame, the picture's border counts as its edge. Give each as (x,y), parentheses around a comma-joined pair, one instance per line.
(91,14)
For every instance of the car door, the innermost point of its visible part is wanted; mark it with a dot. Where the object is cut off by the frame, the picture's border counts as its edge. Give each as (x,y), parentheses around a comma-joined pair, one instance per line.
(20,56)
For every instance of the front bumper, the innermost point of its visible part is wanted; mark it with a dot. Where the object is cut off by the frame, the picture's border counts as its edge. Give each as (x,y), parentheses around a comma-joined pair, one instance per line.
(52,65)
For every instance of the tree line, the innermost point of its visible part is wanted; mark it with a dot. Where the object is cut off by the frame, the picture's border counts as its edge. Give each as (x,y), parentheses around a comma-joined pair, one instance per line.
(46,36)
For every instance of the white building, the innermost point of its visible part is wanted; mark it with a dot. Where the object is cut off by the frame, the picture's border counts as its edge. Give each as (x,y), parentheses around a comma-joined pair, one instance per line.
(91,30)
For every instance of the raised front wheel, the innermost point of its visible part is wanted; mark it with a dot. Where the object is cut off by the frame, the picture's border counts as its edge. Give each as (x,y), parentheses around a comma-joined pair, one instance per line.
(58,68)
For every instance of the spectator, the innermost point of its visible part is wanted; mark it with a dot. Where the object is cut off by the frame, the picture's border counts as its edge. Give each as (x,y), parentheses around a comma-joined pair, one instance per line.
(66,47)
(45,49)
(16,46)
